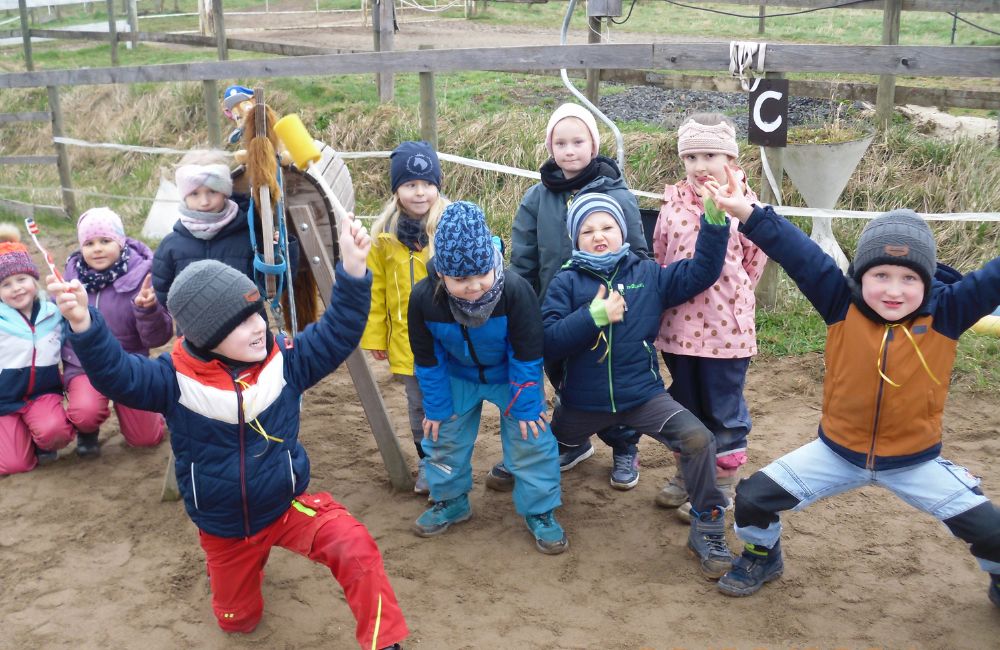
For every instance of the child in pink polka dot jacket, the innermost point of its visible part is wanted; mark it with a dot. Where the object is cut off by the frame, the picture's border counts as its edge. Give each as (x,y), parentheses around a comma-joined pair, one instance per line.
(707,342)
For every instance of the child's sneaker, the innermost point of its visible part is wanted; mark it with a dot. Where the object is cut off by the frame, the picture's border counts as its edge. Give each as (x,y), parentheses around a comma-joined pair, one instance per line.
(499,478)
(752,569)
(45,457)
(707,541)
(674,494)
(573,456)
(995,589)
(421,487)
(549,536)
(87,445)
(443,514)
(625,469)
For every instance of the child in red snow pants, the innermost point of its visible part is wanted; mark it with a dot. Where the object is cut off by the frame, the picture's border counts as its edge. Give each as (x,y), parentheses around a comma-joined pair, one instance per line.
(322,530)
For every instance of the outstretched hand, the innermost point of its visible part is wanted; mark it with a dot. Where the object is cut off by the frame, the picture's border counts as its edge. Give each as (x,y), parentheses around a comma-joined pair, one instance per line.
(71,298)
(354,245)
(146,298)
(730,197)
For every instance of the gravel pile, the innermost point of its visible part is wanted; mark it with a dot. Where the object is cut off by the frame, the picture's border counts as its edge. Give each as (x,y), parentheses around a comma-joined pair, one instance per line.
(668,108)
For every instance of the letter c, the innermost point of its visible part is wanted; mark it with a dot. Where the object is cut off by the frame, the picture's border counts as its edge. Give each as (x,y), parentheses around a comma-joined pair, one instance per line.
(766,127)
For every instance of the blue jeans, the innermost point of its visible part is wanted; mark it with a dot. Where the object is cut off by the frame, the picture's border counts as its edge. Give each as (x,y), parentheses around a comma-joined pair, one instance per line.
(813,472)
(533,462)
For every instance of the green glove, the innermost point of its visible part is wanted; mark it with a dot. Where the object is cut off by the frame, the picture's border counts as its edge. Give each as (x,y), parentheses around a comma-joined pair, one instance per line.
(599,313)
(713,214)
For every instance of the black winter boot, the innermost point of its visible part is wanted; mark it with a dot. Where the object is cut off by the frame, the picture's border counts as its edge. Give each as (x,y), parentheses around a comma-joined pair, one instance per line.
(87,445)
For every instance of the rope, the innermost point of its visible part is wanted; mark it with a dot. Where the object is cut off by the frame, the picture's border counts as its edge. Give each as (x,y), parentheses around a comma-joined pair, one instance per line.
(954,14)
(430,10)
(757,16)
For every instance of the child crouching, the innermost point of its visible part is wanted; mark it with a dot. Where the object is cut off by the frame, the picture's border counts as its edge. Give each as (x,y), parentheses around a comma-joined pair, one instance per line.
(231,394)
(601,316)
(893,324)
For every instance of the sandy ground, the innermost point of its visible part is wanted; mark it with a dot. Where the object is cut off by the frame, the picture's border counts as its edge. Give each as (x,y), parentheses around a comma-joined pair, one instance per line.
(93,559)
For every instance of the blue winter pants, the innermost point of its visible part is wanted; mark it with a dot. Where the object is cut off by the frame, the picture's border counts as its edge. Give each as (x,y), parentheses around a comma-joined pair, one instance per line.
(712,389)
(533,462)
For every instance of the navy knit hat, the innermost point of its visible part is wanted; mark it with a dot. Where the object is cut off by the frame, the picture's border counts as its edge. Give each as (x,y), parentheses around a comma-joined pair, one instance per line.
(585,205)
(898,237)
(463,243)
(414,161)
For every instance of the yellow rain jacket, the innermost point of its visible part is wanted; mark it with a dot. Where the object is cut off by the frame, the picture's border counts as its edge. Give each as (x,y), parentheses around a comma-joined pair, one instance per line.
(395,269)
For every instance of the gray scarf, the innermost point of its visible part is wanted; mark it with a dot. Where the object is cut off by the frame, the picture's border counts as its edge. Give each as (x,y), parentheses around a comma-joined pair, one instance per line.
(473,313)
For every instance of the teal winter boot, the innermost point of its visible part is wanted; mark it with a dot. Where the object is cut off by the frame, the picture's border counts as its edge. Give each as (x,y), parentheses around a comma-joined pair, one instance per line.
(441,515)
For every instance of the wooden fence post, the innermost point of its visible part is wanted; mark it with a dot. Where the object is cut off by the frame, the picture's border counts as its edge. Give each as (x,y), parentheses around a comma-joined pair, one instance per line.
(761,15)
(382,23)
(210,92)
(428,106)
(885,101)
(112,31)
(22,7)
(767,287)
(133,24)
(62,162)
(220,30)
(593,74)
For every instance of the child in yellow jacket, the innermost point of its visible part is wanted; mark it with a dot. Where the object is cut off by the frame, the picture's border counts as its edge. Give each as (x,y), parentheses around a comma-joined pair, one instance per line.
(398,260)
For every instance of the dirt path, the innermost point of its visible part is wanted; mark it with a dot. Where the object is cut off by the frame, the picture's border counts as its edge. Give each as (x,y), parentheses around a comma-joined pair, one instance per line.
(92,559)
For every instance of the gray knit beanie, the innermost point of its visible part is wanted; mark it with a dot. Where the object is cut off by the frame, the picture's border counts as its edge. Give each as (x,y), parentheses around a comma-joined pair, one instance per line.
(208,299)
(587,204)
(898,237)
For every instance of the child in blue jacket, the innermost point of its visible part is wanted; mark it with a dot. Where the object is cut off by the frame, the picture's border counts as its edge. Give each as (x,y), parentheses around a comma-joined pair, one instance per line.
(476,336)
(893,324)
(231,392)
(601,317)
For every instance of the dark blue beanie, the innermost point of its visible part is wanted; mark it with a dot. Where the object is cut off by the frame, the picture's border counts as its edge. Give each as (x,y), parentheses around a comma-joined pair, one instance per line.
(463,243)
(414,161)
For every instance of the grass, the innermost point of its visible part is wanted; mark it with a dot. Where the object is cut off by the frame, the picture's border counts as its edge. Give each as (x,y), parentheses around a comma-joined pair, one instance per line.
(501,118)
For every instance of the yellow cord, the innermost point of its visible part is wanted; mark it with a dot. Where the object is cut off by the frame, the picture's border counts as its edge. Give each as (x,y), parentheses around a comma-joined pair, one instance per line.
(920,355)
(601,337)
(255,423)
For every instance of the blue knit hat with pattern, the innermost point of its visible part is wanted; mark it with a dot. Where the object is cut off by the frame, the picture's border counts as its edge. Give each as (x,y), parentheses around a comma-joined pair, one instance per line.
(587,204)
(414,161)
(463,244)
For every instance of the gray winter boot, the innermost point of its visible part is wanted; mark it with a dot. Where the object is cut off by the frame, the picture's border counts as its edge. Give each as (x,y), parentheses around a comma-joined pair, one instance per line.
(727,485)
(675,492)
(707,541)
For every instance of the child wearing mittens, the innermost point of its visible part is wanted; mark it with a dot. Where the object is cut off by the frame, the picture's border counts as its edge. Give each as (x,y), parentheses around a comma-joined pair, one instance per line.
(115,271)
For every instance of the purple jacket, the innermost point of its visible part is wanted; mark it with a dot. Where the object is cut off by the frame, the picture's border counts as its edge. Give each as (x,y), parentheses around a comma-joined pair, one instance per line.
(136,329)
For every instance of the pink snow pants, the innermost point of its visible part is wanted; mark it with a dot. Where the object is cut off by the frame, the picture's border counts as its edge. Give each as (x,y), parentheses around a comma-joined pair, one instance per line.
(41,422)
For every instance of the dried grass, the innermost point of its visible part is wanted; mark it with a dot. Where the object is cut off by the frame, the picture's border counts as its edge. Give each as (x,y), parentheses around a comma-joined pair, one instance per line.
(901,169)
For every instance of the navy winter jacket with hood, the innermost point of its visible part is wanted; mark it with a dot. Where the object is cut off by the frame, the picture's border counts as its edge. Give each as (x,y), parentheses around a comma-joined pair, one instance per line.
(234,480)
(615,368)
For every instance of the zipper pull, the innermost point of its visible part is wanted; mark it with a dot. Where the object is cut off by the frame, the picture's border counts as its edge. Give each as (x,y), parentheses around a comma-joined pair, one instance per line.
(621,290)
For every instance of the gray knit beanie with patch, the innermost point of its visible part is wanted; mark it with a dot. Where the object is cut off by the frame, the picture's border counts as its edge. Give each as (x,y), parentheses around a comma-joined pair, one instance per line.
(208,299)
(898,237)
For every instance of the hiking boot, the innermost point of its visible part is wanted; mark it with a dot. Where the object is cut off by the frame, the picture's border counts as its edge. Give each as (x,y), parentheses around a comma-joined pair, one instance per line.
(549,536)
(573,456)
(443,514)
(707,541)
(752,569)
(674,494)
(87,445)
(499,478)
(995,589)
(727,485)
(625,469)
(421,487)
(45,457)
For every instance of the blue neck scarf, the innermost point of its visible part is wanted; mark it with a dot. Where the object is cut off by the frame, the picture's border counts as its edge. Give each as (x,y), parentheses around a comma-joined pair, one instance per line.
(602,264)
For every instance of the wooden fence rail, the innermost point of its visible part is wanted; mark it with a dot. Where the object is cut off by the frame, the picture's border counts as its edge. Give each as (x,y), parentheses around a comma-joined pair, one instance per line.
(861,59)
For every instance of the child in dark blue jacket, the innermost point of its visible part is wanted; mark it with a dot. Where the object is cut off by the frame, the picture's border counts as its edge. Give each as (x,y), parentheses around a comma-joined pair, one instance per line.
(231,393)
(601,316)
(476,336)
